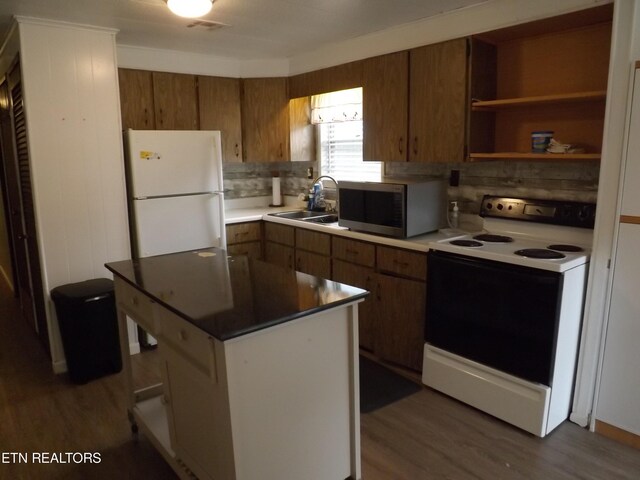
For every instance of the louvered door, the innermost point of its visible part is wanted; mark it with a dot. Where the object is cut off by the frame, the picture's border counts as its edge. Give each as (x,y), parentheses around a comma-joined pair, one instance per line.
(30,287)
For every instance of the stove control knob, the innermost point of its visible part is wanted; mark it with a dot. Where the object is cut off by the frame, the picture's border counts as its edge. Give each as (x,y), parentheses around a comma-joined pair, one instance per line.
(500,206)
(489,206)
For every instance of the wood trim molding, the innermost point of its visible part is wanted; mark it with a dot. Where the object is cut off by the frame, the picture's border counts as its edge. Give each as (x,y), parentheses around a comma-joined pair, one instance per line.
(630,219)
(618,434)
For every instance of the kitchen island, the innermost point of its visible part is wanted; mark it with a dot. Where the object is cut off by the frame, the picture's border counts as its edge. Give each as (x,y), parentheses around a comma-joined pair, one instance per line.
(259,366)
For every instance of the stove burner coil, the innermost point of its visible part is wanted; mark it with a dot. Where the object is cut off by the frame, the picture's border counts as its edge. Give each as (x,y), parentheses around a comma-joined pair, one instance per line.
(565,248)
(491,238)
(465,243)
(540,253)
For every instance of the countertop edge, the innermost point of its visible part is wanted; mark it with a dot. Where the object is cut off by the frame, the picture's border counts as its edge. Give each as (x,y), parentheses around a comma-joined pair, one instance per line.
(419,243)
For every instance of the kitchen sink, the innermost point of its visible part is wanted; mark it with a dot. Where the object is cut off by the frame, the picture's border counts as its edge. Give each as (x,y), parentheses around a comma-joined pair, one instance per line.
(307,216)
(298,214)
(328,218)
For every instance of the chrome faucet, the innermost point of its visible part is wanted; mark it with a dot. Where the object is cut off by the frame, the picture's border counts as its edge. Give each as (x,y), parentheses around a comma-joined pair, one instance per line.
(321,186)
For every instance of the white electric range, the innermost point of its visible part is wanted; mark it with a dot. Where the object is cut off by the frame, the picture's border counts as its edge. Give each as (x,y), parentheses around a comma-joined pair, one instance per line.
(504,309)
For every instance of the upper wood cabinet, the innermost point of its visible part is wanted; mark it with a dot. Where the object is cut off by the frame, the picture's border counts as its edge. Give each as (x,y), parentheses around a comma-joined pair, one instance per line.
(265,119)
(438,102)
(176,101)
(550,74)
(331,79)
(219,102)
(302,138)
(385,82)
(136,99)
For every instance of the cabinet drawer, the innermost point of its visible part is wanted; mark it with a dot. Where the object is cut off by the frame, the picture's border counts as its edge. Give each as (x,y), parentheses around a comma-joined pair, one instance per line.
(313,241)
(243,232)
(279,233)
(354,251)
(250,249)
(136,305)
(187,340)
(402,262)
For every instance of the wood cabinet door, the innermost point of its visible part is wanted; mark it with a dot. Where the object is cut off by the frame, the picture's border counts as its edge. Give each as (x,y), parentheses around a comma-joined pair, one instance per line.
(303,133)
(284,234)
(265,119)
(438,102)
(279,254)
(385,85)
(176,101)
(361,277)
(313,264)
(219,106)
(136,99)
(401,306)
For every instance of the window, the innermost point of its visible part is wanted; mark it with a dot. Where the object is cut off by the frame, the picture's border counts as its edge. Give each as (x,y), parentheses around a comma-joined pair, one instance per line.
(338,116)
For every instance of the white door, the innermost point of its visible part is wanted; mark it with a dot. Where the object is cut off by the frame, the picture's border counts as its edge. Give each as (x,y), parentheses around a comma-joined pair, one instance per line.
(172,162)
(177,224)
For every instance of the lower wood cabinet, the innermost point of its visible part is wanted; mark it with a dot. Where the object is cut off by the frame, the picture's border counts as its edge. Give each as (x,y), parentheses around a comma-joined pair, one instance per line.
(362,277)
(400,312)
(313,264)
(245,239)
(278,254)
(391,319)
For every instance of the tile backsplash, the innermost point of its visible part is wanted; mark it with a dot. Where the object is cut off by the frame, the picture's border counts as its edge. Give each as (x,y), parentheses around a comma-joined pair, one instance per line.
(562,179)
(243,180)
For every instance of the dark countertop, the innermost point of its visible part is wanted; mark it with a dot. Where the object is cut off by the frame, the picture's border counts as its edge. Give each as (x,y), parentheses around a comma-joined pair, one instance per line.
(228,297)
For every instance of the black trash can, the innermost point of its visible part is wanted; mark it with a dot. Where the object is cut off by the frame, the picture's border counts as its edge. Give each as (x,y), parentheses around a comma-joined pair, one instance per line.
(88,324)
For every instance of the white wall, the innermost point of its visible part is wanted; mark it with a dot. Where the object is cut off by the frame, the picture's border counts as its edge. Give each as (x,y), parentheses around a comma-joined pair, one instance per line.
(194,63)
(73,117)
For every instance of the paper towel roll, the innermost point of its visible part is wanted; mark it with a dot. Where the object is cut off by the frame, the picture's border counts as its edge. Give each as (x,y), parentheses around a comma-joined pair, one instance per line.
(276,196)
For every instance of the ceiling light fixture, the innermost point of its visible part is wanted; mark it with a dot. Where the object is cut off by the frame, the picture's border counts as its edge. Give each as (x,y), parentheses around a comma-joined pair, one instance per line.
(190,8)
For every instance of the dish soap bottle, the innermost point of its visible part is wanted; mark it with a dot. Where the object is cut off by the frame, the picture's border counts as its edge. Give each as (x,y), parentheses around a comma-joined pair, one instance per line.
(454,215)
(311,203)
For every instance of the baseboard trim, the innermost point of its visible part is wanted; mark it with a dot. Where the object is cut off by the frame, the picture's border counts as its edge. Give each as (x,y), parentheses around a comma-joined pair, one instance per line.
(618,434)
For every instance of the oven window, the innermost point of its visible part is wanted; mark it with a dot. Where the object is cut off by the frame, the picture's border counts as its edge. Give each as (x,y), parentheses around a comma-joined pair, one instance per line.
(503,316)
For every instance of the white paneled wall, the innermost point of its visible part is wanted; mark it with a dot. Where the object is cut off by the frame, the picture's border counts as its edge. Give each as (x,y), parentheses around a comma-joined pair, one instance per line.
(73,116)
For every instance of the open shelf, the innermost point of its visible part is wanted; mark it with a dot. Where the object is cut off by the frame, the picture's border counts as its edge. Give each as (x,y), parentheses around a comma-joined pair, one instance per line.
(592,96)
(534,156)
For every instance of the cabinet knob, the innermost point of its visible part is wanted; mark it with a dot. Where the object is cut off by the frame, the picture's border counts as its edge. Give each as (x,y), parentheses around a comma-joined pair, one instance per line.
(182,335)
(237,150)
(400,145)
(135,302)
(415,145)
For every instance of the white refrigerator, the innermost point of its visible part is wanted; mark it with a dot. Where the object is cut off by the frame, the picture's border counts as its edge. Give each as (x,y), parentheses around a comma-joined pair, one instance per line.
(175,190)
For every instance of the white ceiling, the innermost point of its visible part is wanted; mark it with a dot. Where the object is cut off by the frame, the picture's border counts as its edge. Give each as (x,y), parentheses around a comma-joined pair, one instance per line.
(256,29)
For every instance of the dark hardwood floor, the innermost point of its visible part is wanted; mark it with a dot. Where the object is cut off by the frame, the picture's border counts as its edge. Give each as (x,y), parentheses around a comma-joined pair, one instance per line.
(424,436)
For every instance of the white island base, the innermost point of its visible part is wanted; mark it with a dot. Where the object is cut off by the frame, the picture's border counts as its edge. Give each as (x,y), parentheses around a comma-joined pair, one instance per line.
(278,403)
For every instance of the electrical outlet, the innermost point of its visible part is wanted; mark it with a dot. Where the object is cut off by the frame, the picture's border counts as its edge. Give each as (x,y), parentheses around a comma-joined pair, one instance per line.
(454,178)
(310,173)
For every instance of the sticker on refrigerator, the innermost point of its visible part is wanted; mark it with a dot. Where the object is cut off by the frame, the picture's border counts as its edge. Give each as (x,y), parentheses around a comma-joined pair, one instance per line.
(147,155)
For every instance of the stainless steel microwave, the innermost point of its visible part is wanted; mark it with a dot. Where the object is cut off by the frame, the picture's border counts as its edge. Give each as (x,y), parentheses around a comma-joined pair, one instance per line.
(393,207)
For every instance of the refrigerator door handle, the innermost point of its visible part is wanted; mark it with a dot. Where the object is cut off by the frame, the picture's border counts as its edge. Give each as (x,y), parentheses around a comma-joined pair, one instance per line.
(223,229)
(151,197)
